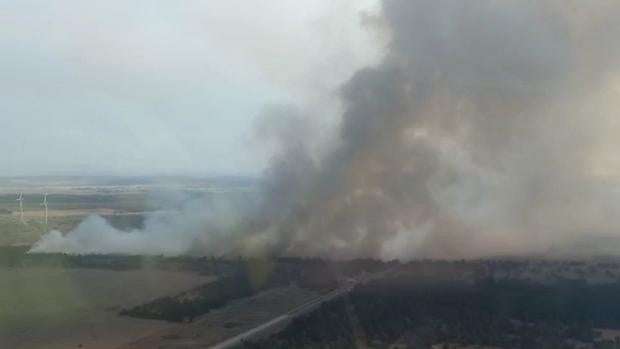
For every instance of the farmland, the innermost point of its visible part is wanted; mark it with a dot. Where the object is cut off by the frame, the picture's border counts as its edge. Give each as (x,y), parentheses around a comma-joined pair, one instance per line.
(52,307)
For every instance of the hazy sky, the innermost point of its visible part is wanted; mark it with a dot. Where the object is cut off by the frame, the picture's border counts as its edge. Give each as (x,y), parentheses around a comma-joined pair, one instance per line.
(162,87)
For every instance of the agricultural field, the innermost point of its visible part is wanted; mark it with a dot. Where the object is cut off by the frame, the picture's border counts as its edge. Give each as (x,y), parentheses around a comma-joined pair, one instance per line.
(15,233)
(52,307)
(121,201)
(67,207)
(237,317)
(59,301)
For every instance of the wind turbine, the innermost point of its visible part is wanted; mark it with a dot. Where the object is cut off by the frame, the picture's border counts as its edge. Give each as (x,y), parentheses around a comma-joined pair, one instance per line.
(20,199)
(44,204)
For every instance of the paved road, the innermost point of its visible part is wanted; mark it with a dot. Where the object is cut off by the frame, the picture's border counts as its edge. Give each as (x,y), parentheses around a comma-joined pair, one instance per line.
(282,319)
(299,311)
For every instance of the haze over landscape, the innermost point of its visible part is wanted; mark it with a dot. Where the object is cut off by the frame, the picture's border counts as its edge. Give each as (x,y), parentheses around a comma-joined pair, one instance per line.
(373,174)
(485,129)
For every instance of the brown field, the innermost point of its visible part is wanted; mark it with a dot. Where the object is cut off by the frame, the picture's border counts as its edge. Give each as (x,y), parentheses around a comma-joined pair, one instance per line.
(55,308)
(235,318)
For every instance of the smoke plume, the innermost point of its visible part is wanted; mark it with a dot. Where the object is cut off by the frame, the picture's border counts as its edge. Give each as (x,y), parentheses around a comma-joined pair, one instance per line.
(487,129)
(484,131)
(189,225)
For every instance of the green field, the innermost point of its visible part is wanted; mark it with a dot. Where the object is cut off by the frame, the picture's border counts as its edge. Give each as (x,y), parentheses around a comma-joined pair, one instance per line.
(123,208)
(48,307)
(130,202)
(66,212)
(55,301)
(15,233)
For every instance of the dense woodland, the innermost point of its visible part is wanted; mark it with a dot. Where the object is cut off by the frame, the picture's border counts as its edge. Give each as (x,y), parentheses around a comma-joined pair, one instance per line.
(247,280)
(312,270)
(505,314)
(424,303)
(17,256)
(196,302)
(326,327)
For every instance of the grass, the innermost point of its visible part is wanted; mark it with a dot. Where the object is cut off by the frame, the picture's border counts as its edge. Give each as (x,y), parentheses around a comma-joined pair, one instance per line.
(130,202)
(47,307)
(66,210)
(237,317)
(15,233)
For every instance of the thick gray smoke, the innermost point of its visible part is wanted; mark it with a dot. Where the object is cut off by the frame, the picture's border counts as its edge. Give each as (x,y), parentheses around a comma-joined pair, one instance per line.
(484,131)
(487,129)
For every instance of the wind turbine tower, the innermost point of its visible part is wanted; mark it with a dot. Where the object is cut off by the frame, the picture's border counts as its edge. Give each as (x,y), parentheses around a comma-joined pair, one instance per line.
(44,204)
(20,199)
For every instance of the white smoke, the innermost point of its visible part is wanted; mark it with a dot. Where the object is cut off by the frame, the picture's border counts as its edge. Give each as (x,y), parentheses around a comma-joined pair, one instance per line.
(197,225)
